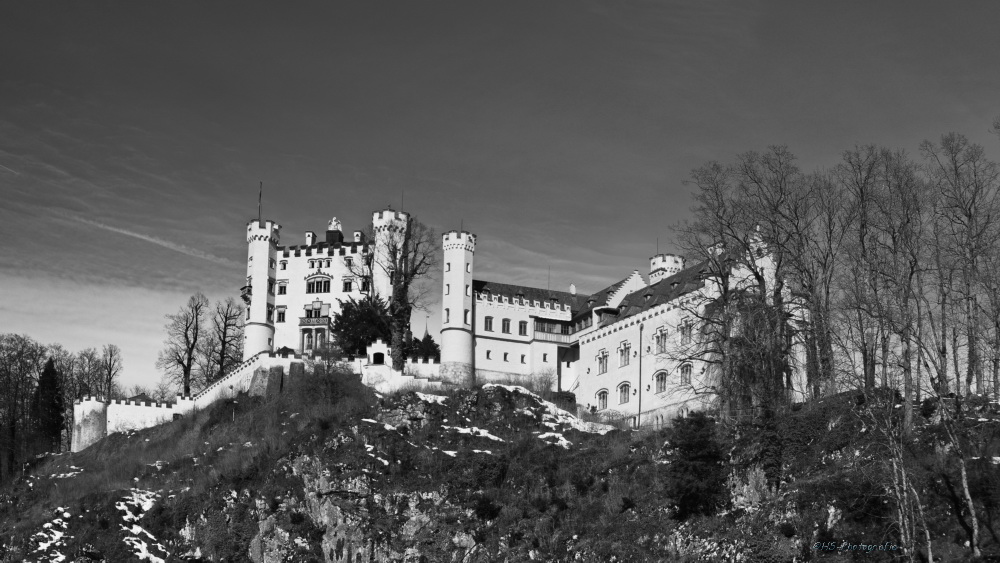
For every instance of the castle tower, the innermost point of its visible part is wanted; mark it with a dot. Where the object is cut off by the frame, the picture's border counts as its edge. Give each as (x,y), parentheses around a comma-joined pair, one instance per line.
(457,359)
(258,294)
(390,227)
(663,266)
(90,422)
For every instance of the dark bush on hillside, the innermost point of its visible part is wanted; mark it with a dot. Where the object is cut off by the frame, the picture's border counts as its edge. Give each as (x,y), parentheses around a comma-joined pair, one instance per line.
(696,476)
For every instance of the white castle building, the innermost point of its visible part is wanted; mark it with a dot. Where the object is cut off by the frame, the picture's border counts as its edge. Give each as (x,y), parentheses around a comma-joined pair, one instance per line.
(623,350)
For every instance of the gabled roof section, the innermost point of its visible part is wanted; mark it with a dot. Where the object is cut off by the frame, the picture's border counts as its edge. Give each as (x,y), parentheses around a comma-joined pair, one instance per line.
(662,292)
(601,298)
(630,284)
(575,302)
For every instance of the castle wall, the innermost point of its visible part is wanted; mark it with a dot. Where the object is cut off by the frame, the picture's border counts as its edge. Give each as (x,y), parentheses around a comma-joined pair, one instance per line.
(124,415)
(90,422)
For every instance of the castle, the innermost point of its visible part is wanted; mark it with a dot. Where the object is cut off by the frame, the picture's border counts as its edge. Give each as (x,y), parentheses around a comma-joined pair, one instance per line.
(624,351)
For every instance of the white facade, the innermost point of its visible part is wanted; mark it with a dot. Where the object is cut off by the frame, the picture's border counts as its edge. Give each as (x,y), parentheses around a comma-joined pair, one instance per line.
(295,290)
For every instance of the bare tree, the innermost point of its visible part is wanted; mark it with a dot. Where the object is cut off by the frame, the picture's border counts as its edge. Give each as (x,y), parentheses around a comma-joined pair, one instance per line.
(111,368)
(88,372)
(970,193)
(405,256)
(222,346)
(185,331)
(21,363)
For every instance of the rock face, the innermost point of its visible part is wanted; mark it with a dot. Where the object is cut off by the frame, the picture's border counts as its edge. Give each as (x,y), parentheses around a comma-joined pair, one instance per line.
(369,491)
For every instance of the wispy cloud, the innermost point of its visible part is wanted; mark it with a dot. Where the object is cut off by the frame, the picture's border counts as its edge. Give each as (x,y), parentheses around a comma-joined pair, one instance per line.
(194,252)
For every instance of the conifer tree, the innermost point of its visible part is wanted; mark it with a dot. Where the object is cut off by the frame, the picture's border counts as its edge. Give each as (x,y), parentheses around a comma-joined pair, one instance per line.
(47,408)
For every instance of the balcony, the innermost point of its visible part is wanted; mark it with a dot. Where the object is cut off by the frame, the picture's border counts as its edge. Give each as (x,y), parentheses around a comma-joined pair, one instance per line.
(314,321)
(552,337)
(245,294)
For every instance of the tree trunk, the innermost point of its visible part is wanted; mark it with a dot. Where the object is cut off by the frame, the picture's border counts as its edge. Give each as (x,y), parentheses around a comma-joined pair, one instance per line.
(954,359)
(907,381)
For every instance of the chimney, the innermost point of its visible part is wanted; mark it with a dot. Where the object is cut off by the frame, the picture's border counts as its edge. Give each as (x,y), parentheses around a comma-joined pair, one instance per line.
(310,238)
(572,289)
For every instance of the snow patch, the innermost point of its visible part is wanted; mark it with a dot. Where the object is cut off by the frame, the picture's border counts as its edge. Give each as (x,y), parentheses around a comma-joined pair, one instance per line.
(554,414)
(474,432)
(437,399)
(559,440)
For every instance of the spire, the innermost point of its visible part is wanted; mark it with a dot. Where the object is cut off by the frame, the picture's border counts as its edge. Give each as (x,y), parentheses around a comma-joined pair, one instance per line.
(426,334)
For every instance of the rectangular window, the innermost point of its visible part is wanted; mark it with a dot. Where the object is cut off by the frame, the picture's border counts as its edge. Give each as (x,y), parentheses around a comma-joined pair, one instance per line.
(661,342)
(545,358)
(282,289)
(447,266)
(523,359)
(348,286)
(686,330)
(447,289)
(270,314)
(365,285)
(505,354)
(284,264)
(602,400)
(522,328)
(488,324)
(447,318)
(468,268)
(602,362)
(270,287)
(624,353)
(487,354)
(686,374)
(466,316)
(505,326)
(348,261)
(281,315)
(468,291)
(661,382)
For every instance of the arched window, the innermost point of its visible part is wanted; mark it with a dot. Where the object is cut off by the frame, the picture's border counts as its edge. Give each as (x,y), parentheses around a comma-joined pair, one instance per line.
(602,399)
(661,382)
(624,390)
(686,374)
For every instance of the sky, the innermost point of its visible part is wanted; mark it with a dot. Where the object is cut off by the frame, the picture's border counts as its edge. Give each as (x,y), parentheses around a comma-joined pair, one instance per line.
(133,136)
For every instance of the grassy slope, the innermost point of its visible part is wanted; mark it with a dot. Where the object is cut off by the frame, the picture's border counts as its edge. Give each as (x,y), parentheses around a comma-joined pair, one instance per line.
(222,471)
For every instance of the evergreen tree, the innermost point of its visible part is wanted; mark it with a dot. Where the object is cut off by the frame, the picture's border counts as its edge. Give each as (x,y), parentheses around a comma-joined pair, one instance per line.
(696,477)
(359,323)
(425,347)
(47,408)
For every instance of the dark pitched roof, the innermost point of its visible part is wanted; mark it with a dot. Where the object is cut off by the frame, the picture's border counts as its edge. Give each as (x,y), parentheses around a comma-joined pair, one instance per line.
(599,299)
(664,291)
(575,302)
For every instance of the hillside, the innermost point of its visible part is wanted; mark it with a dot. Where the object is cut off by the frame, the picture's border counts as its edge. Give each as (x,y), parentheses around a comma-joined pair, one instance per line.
(329,471)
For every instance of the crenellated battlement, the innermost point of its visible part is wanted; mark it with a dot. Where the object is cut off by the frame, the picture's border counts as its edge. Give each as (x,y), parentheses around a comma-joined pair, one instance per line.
(265,230)
(459,240)
(387,215)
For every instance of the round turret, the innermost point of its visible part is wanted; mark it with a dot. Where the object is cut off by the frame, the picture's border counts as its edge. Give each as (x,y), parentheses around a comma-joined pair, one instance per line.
(457,359)
(258,293)
(663,266)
